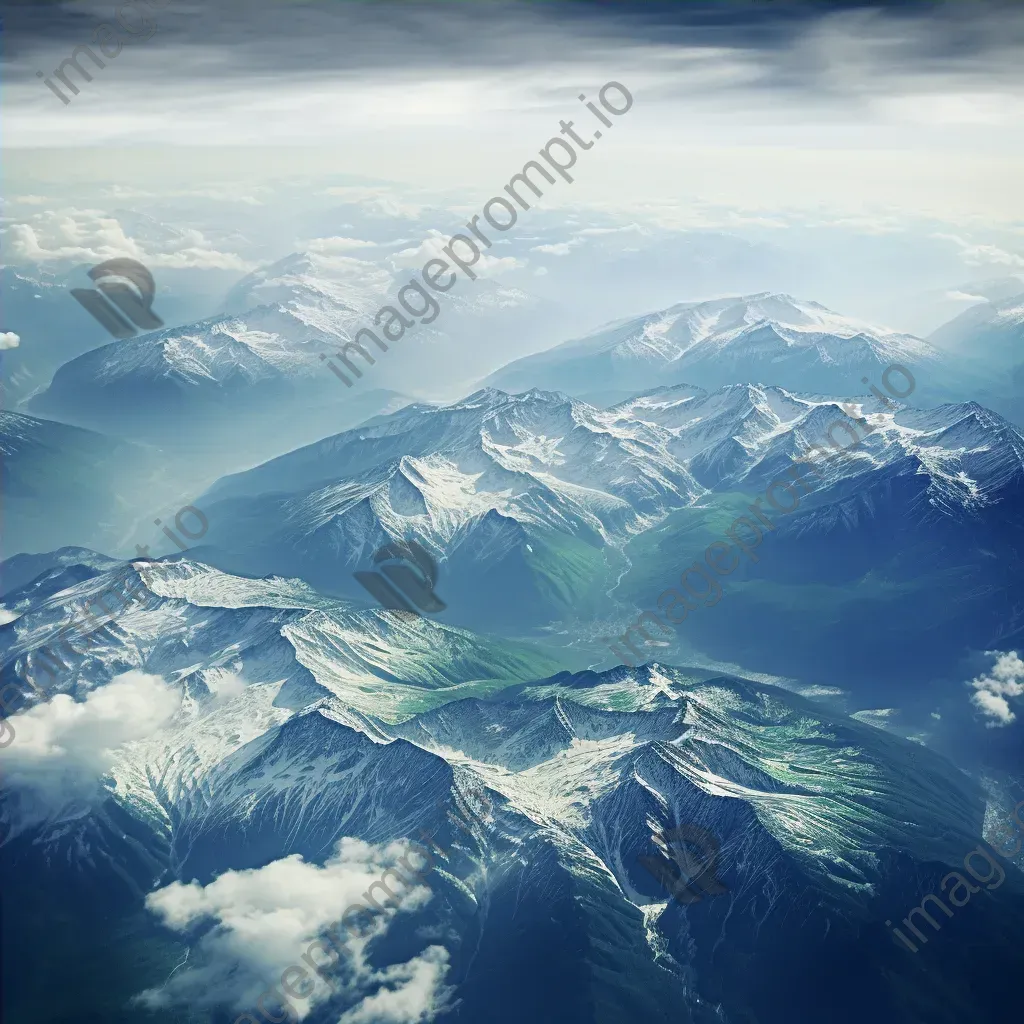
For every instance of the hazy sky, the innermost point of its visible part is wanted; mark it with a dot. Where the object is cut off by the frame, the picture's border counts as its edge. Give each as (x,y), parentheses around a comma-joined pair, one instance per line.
(767,106)
(868,158)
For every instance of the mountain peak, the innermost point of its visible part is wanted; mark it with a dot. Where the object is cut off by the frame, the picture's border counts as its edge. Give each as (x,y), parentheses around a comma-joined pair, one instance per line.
(771,337)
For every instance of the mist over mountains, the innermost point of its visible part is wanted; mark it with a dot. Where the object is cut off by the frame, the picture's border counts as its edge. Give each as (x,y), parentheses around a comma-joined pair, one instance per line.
(571,593)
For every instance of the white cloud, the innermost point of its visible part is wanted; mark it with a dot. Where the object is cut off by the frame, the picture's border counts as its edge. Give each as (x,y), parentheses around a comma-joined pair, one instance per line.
(555,248)
(8,339)
(132,705)
(430,248)
(629,229)
(583,236)
(811,692)
(224,684)
(1004,679)
(62,748)
(978,254)
(260,922)
(417,984)
(379,199)
(233,193)
(334,245)
(876,717)
(75,235)
(414,257)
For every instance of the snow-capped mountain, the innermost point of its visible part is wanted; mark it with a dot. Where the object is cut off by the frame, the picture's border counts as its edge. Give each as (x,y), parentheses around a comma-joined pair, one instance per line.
(206,387)
(187,371)
(548,796)
(55,329)
(536,507)
(798,345)
(24,579)
(926,510)
(271,630)
(210,383)
(336,295)
(746,435)
(534,487)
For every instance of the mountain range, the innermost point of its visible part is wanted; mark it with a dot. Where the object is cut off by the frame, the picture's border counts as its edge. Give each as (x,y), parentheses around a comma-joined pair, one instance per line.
(247,721)
(543,512)
(206,384)
(348,723)
(796,344)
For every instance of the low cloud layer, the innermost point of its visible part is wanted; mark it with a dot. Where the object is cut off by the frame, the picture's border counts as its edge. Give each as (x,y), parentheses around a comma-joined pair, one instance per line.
(78,236)
(255,924)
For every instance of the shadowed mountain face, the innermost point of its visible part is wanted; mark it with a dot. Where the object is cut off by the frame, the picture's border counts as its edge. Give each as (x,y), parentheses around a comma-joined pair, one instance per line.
(63,485)
(991,334)
(556,802)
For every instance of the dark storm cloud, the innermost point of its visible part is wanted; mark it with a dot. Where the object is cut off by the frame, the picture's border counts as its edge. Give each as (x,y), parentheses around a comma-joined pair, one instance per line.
(229,38)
